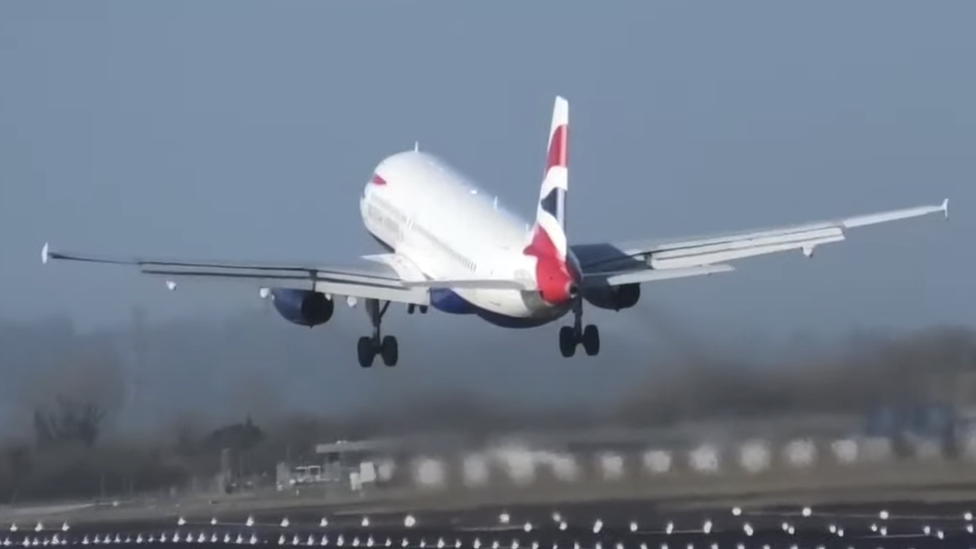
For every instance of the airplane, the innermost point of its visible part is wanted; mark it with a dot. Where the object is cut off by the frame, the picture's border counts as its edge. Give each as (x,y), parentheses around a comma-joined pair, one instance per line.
(451,246)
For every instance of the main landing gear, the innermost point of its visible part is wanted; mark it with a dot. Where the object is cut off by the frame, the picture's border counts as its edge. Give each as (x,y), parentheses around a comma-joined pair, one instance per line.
(370,346)
(571,336)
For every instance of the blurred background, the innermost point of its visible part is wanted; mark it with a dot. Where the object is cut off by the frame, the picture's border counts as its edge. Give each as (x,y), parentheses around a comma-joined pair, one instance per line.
(245,130)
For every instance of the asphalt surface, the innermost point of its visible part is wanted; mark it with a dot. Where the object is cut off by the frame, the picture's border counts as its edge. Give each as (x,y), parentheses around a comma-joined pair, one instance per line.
(594,525)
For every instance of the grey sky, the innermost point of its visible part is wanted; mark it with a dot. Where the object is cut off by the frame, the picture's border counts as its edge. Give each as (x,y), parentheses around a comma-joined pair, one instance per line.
(245,130)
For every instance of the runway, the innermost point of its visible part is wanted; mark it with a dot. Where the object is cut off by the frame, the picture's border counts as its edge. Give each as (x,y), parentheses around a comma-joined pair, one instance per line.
(597,525)
(868,498)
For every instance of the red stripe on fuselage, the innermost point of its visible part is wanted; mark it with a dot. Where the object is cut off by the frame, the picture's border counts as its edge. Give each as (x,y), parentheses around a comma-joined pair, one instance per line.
(552,274)
(558,153)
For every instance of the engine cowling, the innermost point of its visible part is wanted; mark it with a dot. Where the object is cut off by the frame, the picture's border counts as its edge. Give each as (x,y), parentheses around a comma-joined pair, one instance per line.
(613,298)
(303,307)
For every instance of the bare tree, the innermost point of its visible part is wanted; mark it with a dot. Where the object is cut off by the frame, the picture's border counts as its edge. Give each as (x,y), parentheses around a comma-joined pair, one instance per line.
(68,421)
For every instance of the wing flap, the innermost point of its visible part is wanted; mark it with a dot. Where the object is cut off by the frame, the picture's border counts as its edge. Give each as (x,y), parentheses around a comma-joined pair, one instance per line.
(386,277)
(383,291)
(47,254)
(326,277)
(654,275)
(694,258)
(753,241)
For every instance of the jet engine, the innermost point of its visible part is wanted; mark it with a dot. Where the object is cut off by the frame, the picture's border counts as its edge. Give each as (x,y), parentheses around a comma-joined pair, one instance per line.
(613,297)
(302,307)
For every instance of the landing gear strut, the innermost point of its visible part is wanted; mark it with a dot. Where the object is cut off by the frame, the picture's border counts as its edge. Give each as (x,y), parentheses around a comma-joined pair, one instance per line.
(571,336)
(370,346)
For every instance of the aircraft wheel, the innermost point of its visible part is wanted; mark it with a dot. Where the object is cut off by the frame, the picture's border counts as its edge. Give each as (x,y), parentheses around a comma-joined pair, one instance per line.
(591,340)
(567,341)
(364,348)
(390,351)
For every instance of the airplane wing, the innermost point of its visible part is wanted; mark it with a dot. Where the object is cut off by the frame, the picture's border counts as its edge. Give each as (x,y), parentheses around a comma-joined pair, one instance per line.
(386,277)
(636,262)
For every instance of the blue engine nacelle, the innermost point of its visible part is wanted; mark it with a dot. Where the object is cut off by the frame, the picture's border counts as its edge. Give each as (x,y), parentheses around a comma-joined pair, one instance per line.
(303,307)
(613,297)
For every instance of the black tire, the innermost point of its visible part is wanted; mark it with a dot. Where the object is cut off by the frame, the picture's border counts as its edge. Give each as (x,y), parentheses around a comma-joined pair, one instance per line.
(390,351)
(591,340)
(567,341)
(365,351)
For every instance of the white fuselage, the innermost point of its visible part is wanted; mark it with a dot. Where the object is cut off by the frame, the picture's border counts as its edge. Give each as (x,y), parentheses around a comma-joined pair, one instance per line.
(448,228)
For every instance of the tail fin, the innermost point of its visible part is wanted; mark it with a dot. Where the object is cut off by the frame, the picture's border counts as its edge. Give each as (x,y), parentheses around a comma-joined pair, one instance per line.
(551,211)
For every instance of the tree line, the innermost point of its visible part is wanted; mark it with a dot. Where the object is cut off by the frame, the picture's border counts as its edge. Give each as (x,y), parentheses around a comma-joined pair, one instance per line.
(72,446)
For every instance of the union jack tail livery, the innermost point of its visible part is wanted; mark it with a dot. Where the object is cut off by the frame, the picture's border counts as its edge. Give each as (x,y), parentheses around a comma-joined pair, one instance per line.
(550,215)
